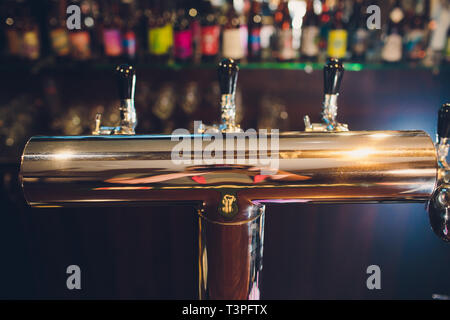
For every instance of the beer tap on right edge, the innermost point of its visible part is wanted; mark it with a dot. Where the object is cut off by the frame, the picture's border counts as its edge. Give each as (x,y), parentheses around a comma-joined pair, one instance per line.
(439,204)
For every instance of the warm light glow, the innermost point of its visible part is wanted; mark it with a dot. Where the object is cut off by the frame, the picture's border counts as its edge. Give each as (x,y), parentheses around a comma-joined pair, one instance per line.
(63,155)
(89,22)
(360,153)
(379,135)
(193,12)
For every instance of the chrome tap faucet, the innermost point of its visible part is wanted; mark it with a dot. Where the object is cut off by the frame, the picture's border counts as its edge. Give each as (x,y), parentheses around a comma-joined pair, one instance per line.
(227,72)
(126,78)
(332,73)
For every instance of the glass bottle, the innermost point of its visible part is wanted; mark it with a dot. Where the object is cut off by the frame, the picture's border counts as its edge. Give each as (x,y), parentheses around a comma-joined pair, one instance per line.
(338,35)
(309,47)
(59,37)
(393,40)
(231,37)
(210,33)
(183,50)
(283,24)
(254,32)
(80,39)
(31,42)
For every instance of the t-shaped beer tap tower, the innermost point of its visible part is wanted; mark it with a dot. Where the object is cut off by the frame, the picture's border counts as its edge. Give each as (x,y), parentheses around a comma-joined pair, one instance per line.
(325,164)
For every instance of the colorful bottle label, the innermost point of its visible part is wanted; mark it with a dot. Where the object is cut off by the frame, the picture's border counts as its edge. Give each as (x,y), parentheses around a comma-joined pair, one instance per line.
(160,39)
(415,44)
(60,42)
(337,43)
(285,46)
(80,43)
(183,44)
(210,40)
(129,44)
(310,41)
(392,50)
(232,45)
(31,46)
(254,40)
(112,42)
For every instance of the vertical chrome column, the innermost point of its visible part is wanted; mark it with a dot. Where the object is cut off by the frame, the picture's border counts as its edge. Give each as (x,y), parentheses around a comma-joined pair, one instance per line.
(231,229)
(230,251)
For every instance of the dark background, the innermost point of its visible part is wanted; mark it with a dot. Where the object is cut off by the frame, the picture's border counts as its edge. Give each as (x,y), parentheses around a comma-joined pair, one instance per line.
(311,251)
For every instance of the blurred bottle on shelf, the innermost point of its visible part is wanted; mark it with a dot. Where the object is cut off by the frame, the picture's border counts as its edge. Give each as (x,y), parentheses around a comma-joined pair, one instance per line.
(359,32)
(190,31)
(243,29)
(59,37)
(31,42)
(440,25)
(193,9)
(338,34)
(80,39)
(111,32)
(160,32)
(393,39)
(90,11)
(309,47)
(416,37)
(210,33)
(183,40)
(232,46)
(267,33)
(283,24)
(374,39)
(325,23)
(130,18)
(254,32)
(13,30)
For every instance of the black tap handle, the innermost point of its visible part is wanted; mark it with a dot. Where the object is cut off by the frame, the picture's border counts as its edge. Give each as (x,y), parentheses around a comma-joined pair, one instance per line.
(228,72)
(332,76)
(444,121)
(126,77)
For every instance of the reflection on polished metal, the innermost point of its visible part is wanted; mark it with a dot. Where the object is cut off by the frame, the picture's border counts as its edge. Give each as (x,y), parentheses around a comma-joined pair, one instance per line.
(230,255)
(333,165)
(313,167)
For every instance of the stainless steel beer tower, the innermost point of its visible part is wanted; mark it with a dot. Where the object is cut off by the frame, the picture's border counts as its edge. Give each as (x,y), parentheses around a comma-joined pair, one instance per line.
(327,163)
